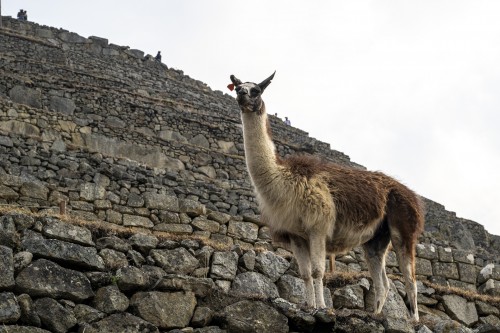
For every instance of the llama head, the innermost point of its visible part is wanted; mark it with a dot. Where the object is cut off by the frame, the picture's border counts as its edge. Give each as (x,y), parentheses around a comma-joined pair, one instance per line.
(249,95)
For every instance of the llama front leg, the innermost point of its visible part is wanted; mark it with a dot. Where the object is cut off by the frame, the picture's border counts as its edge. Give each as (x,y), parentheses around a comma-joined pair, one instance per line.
(318,257)
(300,249)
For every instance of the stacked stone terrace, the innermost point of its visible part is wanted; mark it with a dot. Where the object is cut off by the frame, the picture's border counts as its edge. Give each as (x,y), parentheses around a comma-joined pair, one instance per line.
(127,141)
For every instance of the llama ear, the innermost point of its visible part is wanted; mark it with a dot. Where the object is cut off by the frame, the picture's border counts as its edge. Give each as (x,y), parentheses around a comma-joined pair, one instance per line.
(235,80)
(263,85)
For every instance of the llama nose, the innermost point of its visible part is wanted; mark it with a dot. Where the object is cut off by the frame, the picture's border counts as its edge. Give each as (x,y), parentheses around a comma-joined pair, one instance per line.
(242,91)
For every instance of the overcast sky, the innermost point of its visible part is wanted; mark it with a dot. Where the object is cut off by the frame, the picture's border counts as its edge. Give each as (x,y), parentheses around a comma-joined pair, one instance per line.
(410,88)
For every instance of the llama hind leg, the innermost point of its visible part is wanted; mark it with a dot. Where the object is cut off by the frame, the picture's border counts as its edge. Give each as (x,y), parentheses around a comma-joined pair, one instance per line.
(406,259)
(375,258)
(375,251)
(300,249)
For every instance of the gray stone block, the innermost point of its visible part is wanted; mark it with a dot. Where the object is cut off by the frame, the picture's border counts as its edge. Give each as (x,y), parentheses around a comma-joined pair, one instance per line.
(121,322)
(467,272)
(459,309)
(248,316)
(423,267)
(427,251)
(178,260)
(243,230)
(67,232)
(253,284)
(109,300)
(62,105)
(54,316)
(445,269)
(46,279)
(28,96)
(156,308)
(9,308)
(291,288)
(65,252)
(224,265)
(6,268)
(271,265)
(445,254)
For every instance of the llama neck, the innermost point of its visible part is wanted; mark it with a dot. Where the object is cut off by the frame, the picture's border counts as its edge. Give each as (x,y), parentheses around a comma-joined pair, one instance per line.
(259,149)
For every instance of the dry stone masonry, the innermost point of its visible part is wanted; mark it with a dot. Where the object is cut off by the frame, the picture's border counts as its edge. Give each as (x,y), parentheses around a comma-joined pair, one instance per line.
(162,231)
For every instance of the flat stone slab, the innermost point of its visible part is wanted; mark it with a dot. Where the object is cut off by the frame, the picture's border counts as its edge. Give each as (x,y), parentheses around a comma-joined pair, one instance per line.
(43,278)
(67,232)
(68,253)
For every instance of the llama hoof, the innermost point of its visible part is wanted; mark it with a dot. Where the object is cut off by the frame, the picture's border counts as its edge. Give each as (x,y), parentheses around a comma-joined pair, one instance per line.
(414,317)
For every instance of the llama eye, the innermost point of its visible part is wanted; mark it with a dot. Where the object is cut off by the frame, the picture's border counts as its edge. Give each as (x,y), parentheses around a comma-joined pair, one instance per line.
(254,92)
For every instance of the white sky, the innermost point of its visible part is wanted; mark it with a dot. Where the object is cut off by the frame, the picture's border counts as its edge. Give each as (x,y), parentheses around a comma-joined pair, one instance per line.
(410,88)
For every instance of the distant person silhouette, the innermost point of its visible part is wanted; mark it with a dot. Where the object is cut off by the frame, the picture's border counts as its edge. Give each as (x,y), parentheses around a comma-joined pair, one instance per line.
(287,121)
(22,15)
(158,56)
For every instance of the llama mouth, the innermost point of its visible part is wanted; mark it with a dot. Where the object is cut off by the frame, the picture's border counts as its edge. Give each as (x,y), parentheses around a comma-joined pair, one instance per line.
(243,100)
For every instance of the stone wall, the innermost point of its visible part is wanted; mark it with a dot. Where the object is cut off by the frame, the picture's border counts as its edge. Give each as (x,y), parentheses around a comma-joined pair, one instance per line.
(129,143)
(65,276)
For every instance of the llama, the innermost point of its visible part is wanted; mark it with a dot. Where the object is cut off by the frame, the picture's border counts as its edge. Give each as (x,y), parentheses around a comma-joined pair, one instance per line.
(317,207)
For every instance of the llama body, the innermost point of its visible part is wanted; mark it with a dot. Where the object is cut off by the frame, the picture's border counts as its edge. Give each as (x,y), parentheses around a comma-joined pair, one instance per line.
(318,208)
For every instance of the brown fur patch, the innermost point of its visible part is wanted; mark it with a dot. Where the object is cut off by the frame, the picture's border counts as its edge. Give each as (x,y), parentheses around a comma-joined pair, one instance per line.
(364,197)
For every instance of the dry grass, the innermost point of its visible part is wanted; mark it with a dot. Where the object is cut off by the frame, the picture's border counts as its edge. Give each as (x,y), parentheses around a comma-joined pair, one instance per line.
(467,294)
(340,279)
(101,228)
